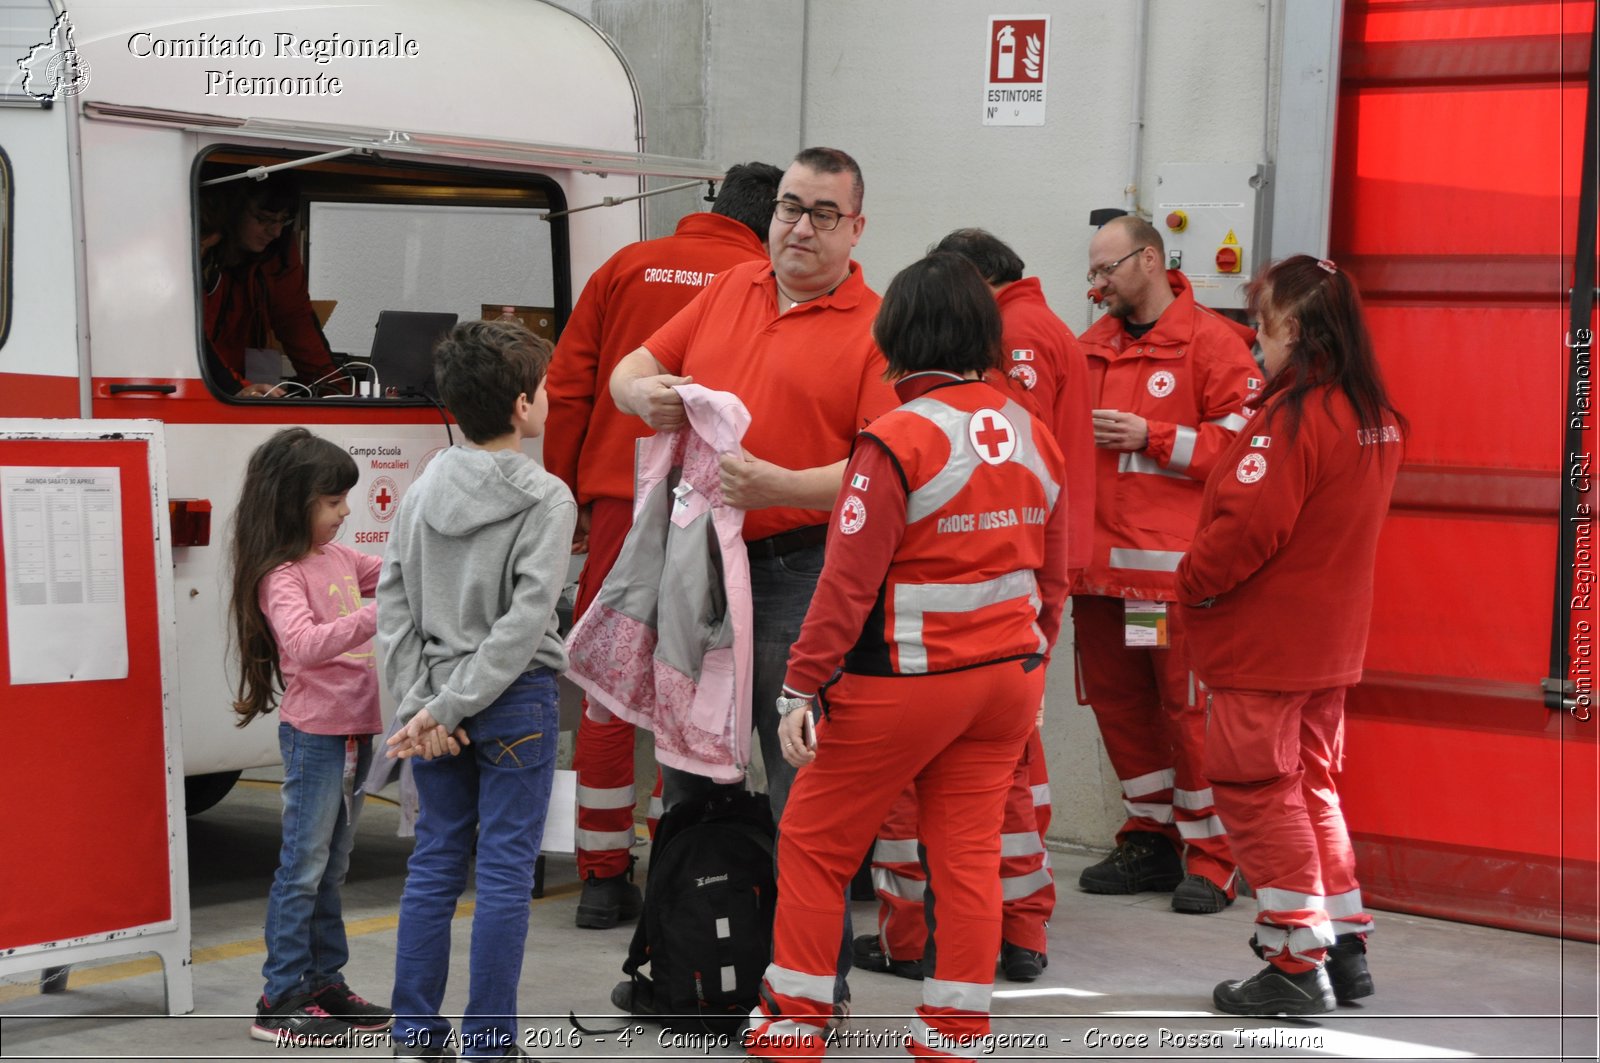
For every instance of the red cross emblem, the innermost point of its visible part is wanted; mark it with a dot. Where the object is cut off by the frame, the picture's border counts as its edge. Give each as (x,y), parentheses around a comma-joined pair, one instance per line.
(381,498)
(992,437)
(1252,467)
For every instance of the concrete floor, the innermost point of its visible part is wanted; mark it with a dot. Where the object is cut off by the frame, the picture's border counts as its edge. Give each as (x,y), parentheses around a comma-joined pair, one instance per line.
(1128,978)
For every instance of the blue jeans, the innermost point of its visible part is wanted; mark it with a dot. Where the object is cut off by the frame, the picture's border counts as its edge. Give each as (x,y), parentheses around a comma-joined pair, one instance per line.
(306,947)
(497,791)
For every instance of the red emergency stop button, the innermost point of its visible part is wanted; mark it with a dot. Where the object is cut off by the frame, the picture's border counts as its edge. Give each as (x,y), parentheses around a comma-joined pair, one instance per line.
(1228,259)
(1177,221)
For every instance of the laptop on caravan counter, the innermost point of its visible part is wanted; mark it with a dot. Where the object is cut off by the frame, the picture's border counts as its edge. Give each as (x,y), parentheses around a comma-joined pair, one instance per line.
(402,350)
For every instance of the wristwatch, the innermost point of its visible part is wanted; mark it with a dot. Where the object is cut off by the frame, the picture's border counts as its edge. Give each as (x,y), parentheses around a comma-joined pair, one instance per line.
(788,705)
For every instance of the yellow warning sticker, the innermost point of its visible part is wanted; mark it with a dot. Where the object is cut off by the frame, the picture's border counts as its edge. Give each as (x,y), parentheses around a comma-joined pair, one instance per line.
(1231,239)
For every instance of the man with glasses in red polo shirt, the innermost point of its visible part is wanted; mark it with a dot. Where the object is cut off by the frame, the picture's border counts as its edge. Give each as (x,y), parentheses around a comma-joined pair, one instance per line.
(1173,382)
(791,337)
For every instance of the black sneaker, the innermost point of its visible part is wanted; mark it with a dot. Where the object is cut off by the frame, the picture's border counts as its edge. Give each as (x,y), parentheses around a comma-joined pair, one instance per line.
(1271,991)
(1020,964)
(1347,968)
(867,953)
(607,901)
(1141,861)
(350,1007)
(297,1020)
(1198,895)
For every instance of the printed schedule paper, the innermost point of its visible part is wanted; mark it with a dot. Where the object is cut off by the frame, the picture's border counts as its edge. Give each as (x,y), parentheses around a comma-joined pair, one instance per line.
(65,616)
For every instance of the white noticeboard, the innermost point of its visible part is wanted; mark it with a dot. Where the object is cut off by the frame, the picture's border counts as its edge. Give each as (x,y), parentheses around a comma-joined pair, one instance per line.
(66,620)
(1015,69)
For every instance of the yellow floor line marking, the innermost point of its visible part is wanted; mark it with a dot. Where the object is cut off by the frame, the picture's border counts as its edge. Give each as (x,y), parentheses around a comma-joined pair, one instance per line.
(122,969)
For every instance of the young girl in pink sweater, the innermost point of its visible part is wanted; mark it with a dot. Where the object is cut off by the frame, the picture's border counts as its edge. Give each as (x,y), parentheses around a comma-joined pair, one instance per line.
(304,640)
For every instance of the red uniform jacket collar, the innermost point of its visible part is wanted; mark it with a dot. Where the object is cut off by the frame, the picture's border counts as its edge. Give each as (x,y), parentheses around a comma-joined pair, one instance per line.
(1174,328)
(1020,290)
(704,223)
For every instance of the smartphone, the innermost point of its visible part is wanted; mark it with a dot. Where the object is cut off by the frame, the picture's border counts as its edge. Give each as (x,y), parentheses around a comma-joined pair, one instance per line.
(808,730)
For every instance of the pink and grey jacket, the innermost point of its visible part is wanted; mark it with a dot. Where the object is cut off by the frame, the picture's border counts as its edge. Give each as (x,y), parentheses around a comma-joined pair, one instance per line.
(666,643)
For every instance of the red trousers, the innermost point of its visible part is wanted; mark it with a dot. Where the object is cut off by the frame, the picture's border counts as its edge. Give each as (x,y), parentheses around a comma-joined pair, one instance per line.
(1027,885)
(1271,758)
(1154,732)
(603,752)
(956,737)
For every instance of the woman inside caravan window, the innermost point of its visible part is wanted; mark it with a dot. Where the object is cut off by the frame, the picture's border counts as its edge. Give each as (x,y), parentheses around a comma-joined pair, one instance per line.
(254,280)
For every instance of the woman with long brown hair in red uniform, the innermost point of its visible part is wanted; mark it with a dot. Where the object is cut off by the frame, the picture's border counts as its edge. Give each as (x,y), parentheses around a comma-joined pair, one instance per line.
(1277,589)
(925,647)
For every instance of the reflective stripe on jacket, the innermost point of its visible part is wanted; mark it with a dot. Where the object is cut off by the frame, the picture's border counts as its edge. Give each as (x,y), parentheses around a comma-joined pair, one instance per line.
(982,477)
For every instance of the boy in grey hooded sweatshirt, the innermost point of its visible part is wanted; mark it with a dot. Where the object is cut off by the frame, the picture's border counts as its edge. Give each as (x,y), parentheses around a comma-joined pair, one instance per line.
(467,630)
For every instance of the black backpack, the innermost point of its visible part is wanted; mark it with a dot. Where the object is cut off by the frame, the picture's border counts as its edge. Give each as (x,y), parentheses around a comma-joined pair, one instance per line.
(706,929)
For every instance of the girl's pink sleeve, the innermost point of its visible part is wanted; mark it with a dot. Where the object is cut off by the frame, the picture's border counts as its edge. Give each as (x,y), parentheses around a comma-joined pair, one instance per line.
(302,638)
(368,568)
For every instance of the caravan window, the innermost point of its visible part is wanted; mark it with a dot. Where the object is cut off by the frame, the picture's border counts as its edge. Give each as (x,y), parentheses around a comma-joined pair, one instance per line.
(296,271)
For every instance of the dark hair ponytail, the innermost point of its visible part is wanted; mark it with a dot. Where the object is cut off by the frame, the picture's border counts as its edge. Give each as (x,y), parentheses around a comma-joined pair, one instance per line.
(271,526)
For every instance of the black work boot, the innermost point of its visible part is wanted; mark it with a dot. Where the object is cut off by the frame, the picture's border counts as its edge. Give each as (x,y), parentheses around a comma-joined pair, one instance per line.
(606,901)
(867,953)
(1020,964)
(1198,895)
(1347,968)
(1141,861)
(1272,991)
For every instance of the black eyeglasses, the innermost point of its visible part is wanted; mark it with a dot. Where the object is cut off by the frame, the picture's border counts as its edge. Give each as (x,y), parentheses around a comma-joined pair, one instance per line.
(1107,270)
(272,221)
(823,219)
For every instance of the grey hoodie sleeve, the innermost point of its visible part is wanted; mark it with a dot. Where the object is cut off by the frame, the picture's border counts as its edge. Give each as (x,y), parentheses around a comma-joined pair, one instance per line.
(399,641)
(538,567)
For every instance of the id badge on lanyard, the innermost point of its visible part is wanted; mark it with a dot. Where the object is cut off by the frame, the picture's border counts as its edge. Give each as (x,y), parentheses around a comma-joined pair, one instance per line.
(1144,624)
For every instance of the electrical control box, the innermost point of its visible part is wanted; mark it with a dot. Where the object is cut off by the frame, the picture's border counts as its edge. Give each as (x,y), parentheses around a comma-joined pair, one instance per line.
(1214,218)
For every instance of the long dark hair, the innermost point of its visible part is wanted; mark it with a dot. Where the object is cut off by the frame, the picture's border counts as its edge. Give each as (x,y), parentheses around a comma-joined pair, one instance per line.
(272,525)
(1330,348)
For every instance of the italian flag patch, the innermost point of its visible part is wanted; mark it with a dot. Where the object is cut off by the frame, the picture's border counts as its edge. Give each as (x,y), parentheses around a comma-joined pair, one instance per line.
(858,482)
(1261,441)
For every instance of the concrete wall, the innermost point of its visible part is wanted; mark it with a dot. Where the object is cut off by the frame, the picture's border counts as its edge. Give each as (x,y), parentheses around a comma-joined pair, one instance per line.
(715,80)
(898,84)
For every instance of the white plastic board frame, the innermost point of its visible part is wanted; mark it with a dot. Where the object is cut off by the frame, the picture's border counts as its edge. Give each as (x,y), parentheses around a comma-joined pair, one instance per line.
(169,939)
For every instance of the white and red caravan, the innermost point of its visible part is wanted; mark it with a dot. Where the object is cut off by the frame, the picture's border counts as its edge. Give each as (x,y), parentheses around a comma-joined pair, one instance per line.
(439,136)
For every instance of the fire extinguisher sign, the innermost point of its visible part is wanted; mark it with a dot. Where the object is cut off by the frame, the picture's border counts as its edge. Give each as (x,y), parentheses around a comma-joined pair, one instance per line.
(1013,92)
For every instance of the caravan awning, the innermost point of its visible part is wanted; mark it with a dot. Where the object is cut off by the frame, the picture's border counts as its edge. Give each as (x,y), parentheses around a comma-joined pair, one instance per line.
(397,143)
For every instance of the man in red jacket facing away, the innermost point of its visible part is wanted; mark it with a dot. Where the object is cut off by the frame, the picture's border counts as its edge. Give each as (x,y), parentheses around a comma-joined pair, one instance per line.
(1174,383)
(590,446)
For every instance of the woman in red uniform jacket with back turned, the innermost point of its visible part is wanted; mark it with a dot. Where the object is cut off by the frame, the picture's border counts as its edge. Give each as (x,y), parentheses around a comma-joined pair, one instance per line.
(940,599)
(1277,589)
